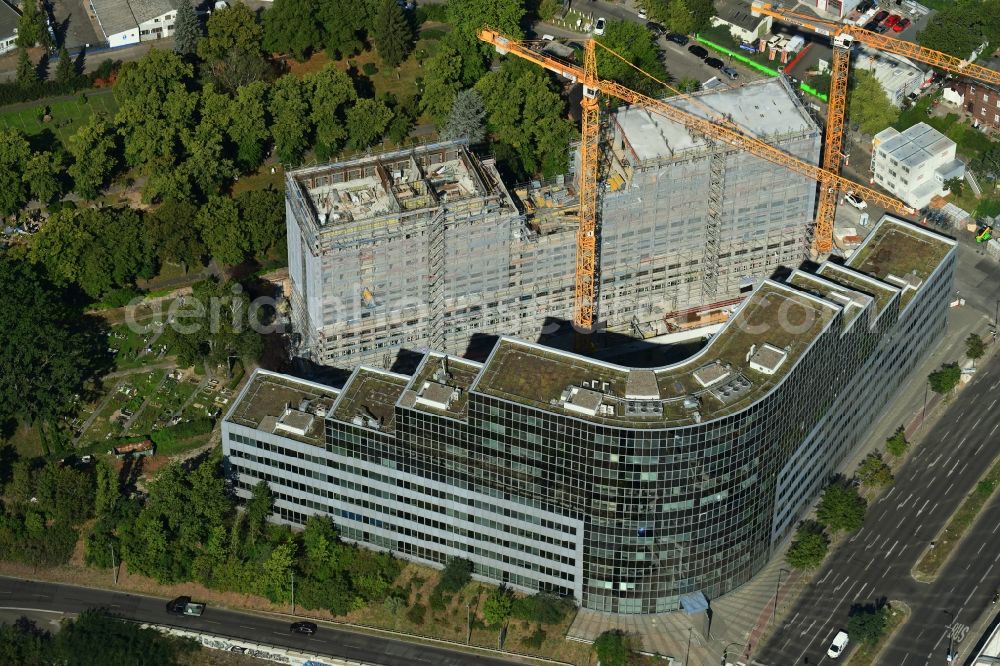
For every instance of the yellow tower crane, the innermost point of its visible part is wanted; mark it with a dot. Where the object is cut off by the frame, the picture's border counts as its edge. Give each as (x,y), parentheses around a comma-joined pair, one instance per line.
(842,38)
(711,126)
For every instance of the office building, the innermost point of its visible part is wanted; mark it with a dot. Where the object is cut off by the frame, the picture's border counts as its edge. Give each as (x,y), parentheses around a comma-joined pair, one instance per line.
(625,487)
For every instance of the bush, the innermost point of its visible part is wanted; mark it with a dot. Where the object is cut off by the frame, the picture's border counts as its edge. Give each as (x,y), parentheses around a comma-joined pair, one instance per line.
(841,508)
(369,69)
(868,623)
(542,608)
(535,640)
(457,572)
(416,614)
(437,600)
(809,547)
(612,648)
(184,430)
(437,13)
(897,444)
(432,33)
(985,487)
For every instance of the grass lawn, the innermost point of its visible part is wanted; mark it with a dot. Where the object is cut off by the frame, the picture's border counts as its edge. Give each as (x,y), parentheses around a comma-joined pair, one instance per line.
(162,405)
(27,441)
(971,142)
(67,115)
(129,346)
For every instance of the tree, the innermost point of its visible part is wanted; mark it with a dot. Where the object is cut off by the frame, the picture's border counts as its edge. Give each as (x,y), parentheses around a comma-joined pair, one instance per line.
(65,69)
(64,493)
(234,28)
(988,162)
(392,35)
(955,186)
(525,117)
(868,105)
(343,22)
(94,147)
(468,16)
(43,175)
(612,648)
(841,508)
(961,27)
(467,118)
(680,18)
(457,572)
(331,92)
(498,607)
(262,216)
(867,624)
(688,85)
(219,223)
(633,42)
(945,378)
(441,83)
(292,26)
(187,29)
(702,11)
(31,29)
(241,67)
(874,472)
(47,349)
(257,510)
(820,83)
(26,75)
(247,125)
(367,121)
(94,639)
(542,608)
(291,124)
(897,444)
(974,347)
(808,548)
(172,231)
(14,154)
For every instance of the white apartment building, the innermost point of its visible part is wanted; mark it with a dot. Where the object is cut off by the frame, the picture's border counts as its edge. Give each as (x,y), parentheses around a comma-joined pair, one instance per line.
(914,164)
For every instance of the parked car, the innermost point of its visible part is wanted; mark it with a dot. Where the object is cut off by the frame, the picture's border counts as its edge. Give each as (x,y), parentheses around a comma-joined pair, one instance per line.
(837,646)
(714,63)
(698,51)
(600,25)
(307,628)
(892,20)
(184,606)
(882,28)
(901,26)
(856,201)
(655,28)
(730,72)
(678,38)
(880,16)
(643,14)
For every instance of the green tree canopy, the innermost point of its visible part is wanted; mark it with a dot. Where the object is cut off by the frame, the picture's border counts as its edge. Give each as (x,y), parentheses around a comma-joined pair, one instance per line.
(809,547)
(47,350)
(234,28)
(392,34)
(613,648)
(525,117)
(467,119)
(94,147)
(221,229)
(293,27)
(247,125)
(498,607)
(469,16)
(841,508)
(961,27)
(262,218)
(457,572)
(874,472)
(679,17)
(367,122)
(897,444)
(26,73)
(65,69)
(173,232)
(331,92)
(868,105)
(442,82)
(344,22)
(867,624)
(43,174)
(945,378)
(31,29)
(974,347)
(291,123)
(14,155)
(633,42)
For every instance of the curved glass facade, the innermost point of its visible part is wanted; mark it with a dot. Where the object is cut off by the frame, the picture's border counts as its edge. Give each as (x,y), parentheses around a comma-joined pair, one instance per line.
(625,487)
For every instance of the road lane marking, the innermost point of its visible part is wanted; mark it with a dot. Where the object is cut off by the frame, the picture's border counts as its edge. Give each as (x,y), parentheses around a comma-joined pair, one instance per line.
(935,460)
(243,626)
(950,486)
(980,419)
(33,610)
(837,589)
(952,470)
(996,528)
(994,428)
(904,502)
(211,622)
(860,592)
(988,571)
(981,548)
(926,502)
(830,571)
(962,471)
(933,479)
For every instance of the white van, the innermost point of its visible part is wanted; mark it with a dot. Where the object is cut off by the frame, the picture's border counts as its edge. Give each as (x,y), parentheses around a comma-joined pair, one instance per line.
(837,647)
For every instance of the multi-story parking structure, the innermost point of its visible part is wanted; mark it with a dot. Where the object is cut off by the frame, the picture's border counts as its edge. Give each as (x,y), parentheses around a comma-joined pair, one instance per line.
(427,248)
(627,487)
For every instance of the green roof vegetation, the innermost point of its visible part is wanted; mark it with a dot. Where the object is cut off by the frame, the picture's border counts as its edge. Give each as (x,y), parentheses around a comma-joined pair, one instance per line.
(371,394)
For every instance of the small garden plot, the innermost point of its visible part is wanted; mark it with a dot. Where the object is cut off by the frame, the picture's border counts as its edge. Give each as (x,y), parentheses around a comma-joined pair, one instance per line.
(164,404)
(133,349)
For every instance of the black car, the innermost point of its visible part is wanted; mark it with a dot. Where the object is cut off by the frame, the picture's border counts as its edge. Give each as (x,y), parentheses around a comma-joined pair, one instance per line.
(308,628)
(714,63)
(655,28)
(677,38)
(698,51)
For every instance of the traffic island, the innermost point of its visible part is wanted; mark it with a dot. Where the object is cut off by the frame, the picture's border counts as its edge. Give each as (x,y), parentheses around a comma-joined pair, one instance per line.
(937,553)
(867,654)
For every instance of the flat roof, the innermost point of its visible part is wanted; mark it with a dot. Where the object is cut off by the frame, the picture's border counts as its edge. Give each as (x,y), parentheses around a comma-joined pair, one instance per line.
(882,293)
(369,399)
(899,248)
(913,146)
(853,301)
(761,108)
(774,314)
(437,371)
(267,396)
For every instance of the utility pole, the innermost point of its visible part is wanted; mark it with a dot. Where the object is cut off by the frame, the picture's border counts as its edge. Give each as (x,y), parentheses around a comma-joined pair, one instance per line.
(468,622)
(114,568)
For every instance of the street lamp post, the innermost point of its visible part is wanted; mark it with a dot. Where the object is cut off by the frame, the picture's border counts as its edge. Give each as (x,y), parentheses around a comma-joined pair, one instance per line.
(687,656)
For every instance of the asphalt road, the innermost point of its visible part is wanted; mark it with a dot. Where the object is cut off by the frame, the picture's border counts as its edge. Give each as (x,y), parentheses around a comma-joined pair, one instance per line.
(875,564)
(19,596)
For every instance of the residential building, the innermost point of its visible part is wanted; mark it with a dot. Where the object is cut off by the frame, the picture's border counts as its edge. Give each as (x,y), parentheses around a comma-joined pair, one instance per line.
(743,25)
(899,77)
(625,487)
(125,22)
(429,248)
(982,102)
(8,27)
(914,164)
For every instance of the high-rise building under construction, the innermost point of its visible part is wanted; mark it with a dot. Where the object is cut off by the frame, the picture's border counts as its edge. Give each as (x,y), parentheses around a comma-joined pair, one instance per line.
(428,248)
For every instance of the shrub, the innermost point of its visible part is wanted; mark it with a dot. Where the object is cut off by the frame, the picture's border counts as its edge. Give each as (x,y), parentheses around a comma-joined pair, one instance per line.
(432,33)
(535,640)
(542,608)
(416,614)
(369,69)
(897,444)
(437,13)
(457,572)
(437,600)
(809,547)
